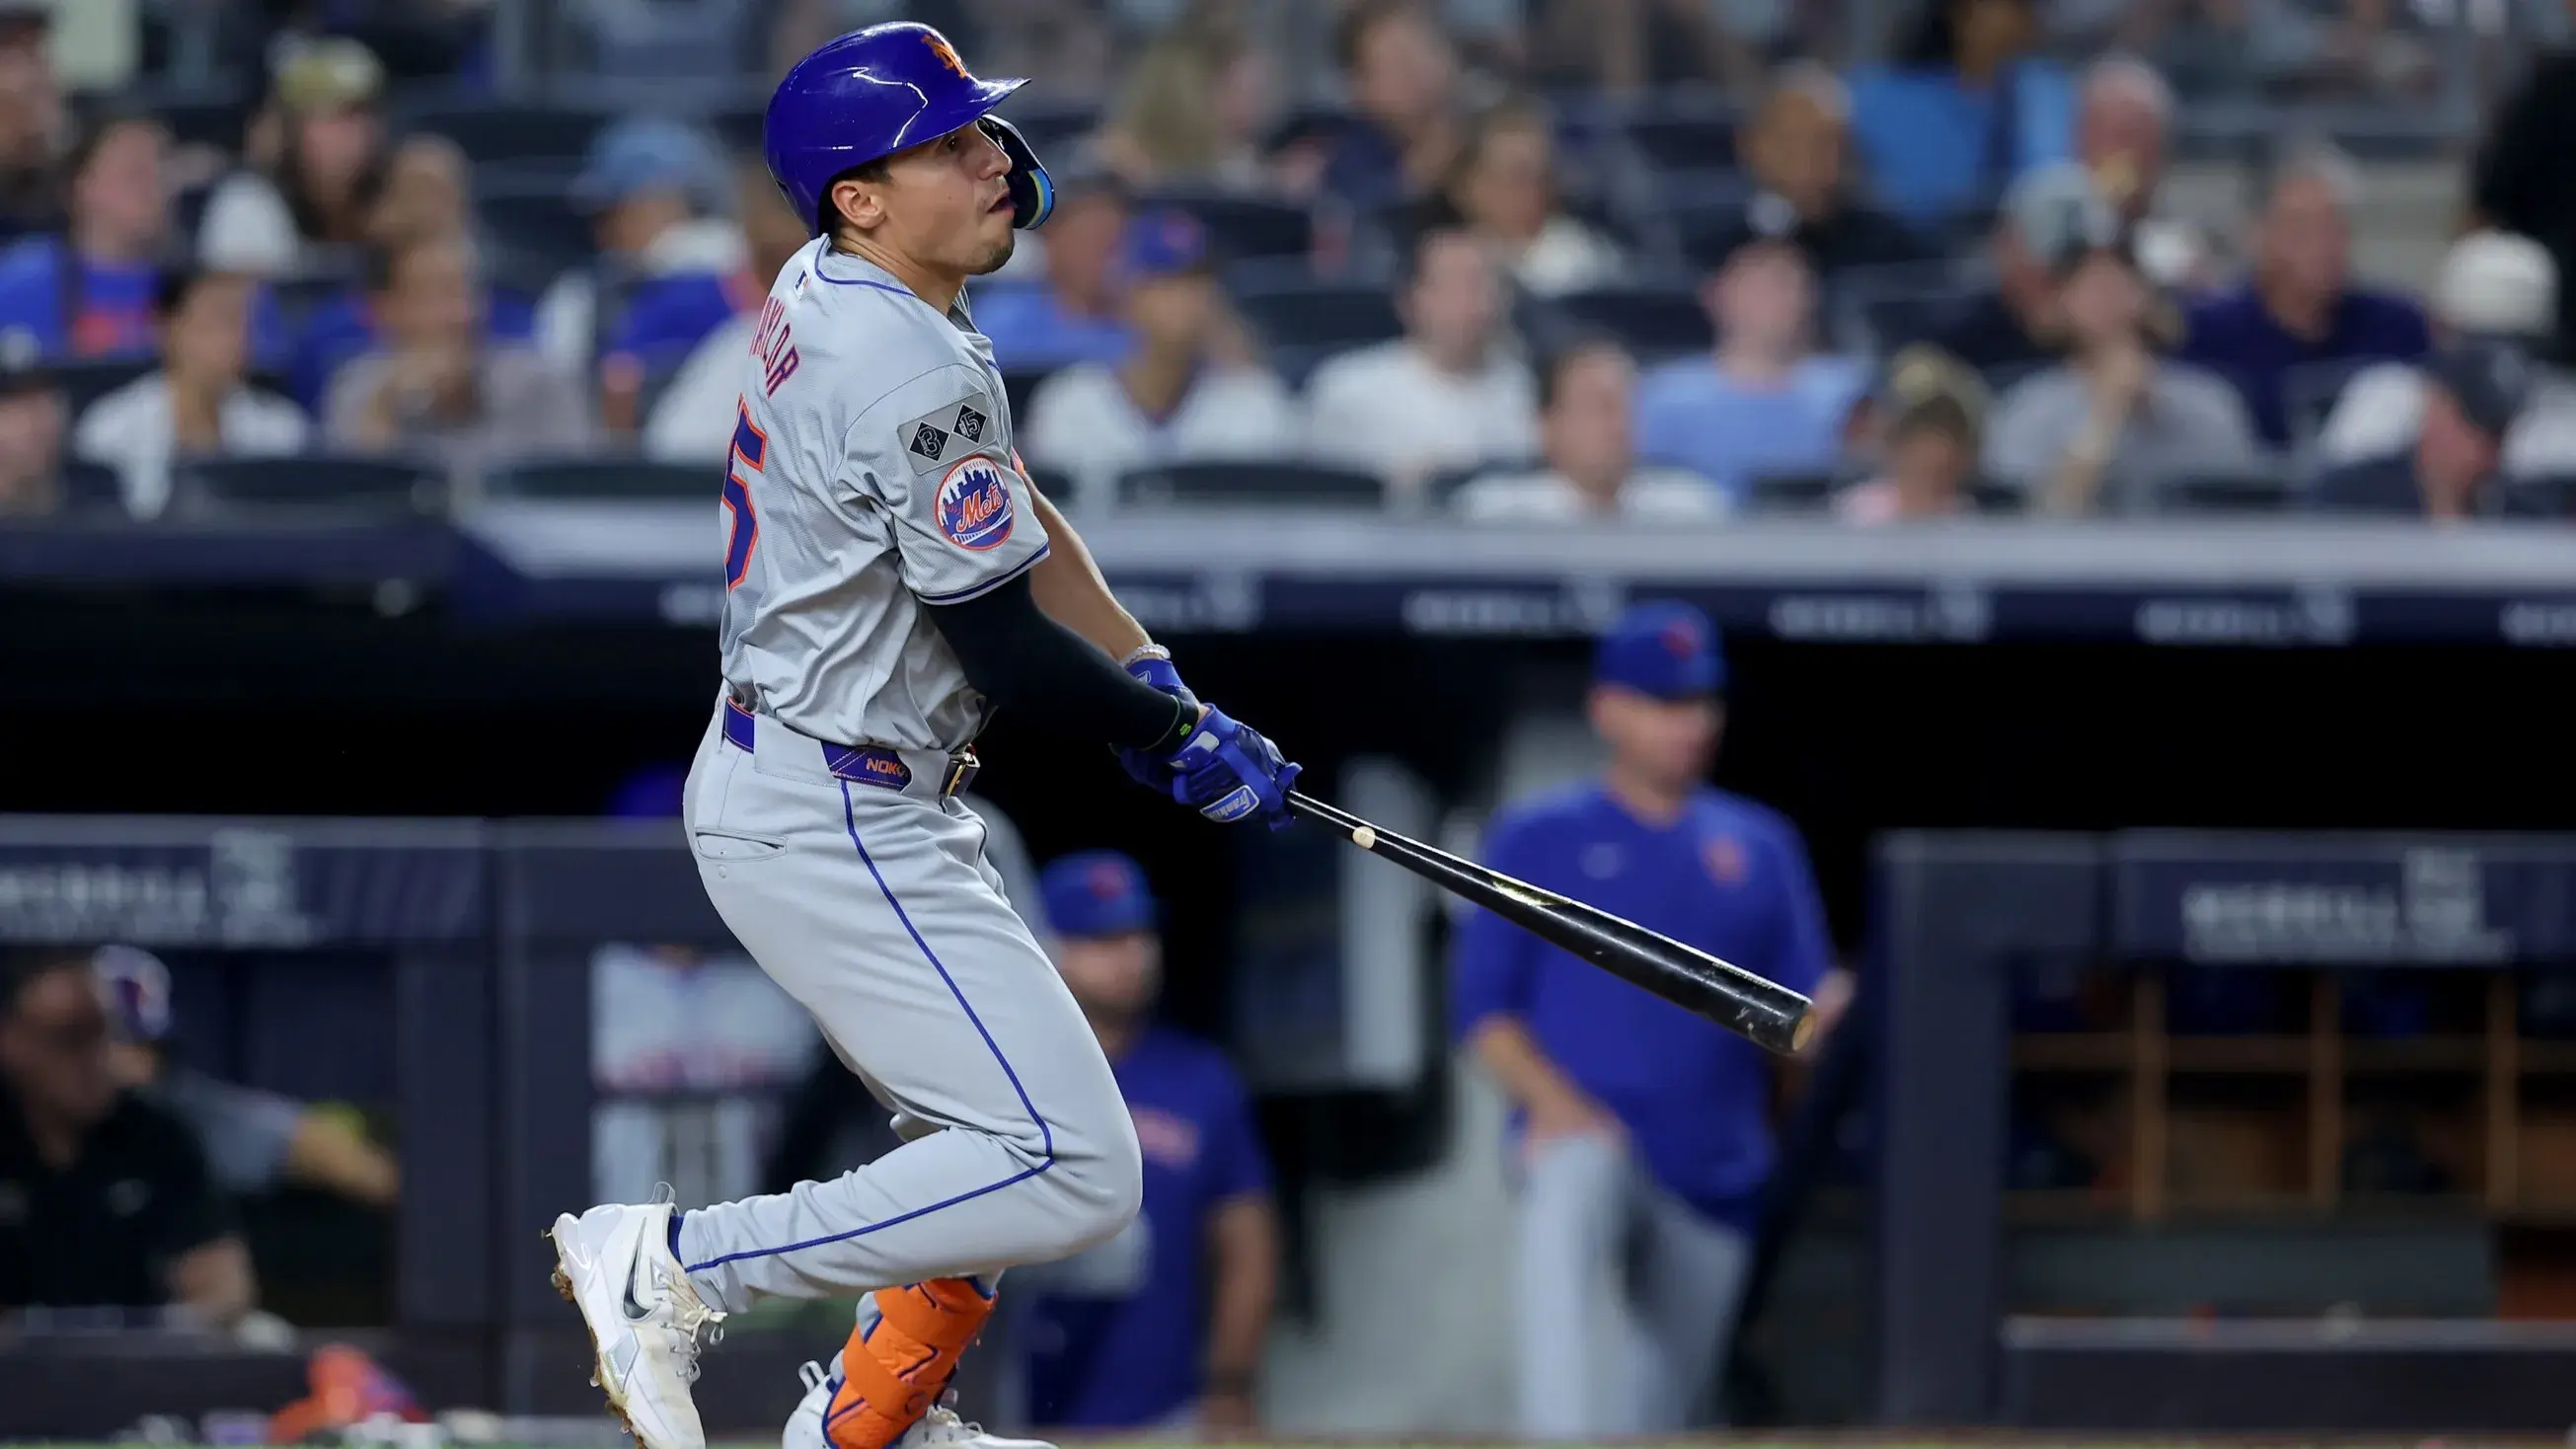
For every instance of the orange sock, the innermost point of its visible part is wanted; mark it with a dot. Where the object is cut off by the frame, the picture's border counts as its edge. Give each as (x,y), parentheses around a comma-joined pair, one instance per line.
(893,1372)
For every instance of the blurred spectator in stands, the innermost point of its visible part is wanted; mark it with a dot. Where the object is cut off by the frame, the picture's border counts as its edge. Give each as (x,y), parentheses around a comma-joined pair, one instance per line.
(1965,110)
(1073,314)
(1402,78)
(426,196)
(1503,190)
(1765,401)
(34,128)
(113,1203)
(435,384)
(2123,123)
(1192,113)
(1641,1131)
(2493,287)
(2105,428)
(31,432)
(693,419)
(2299,306)
(87,291)
(428,192)
(2518,180)
(254,1141)
(1163,1325)
(1588,441)
(669,259)
(314,151)
(1179,395)
(197,403)
(1936,410)
(2015,325)
(1793,145)
(2473,395)
(1447,394)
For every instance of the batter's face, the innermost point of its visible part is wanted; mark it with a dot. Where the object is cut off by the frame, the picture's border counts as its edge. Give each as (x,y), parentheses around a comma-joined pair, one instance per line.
(1114,977)
(943,205)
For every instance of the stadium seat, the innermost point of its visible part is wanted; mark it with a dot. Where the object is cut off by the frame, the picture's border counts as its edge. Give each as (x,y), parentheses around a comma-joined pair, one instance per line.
(1243,226)
(1992,497)
(1654,323)
(195,117)
(490,130)
(2250,492)
(603,478)
(536,235)
(83,383)
(1790,492)
(92,490)
(2552,496)
(1319,314)
(316,483)
(1254,482)
(1683,138)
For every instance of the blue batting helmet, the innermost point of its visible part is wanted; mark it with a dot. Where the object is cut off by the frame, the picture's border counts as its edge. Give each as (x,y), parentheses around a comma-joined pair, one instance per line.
(873,92)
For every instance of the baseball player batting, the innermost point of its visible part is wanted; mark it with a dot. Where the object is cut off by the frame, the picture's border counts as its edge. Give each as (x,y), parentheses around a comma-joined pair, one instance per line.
(892,578)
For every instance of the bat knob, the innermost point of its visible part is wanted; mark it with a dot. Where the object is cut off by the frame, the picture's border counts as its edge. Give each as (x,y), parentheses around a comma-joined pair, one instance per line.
(1364,838)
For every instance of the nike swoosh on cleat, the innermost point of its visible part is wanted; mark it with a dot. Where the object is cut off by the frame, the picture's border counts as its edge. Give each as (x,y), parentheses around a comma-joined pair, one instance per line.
(635,1312)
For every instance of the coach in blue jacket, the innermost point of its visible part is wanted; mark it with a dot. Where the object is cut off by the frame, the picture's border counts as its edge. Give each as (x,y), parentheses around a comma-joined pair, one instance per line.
(1641,1133)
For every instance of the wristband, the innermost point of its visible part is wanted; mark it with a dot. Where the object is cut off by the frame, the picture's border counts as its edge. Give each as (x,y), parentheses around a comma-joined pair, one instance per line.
(1144,651)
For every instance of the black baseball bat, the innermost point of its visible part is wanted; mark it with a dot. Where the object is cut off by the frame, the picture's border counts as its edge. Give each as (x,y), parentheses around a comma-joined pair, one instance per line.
(1763,1012)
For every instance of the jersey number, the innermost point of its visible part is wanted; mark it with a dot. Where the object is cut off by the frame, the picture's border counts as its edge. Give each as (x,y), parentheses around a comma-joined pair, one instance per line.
(750,450)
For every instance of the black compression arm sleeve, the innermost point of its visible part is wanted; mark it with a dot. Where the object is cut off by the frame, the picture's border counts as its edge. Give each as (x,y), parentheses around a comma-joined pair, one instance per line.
(1023,660)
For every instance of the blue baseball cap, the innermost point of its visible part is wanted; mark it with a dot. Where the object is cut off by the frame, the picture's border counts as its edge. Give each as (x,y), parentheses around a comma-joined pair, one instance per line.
(1095,893)
(1667,649)
(1164,243)
(644,153)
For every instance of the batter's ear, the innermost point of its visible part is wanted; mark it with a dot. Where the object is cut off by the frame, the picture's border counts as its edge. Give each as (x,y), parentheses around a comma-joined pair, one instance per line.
(856,202)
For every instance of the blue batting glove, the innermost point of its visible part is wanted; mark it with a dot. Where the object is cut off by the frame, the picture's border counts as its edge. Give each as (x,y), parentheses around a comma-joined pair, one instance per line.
(1142,766)
(1228,771)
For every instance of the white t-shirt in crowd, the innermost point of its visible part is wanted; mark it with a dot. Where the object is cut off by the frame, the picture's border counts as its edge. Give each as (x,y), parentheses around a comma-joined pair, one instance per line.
(1083,421)
(1388,410)
(692,421)
(2381,410)
(132,431)
(248,228)
(1650,495)
(1565,256)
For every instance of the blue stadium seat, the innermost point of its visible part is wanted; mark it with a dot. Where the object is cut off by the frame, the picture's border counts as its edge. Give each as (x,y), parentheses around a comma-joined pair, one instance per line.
(1654,323)
(491,130)
(1243,226)
(602,478)
(1252,482)
(313,484)
(1319,314)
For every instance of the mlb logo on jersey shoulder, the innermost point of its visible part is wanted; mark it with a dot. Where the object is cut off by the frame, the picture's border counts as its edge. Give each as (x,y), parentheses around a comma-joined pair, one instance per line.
(974,504)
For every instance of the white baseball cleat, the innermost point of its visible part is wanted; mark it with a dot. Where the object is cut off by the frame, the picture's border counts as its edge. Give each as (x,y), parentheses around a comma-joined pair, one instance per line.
(646,1321)
(939,1427)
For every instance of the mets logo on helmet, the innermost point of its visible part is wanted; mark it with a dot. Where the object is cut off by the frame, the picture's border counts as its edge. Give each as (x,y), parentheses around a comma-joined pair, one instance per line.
(974,504)
(947,54)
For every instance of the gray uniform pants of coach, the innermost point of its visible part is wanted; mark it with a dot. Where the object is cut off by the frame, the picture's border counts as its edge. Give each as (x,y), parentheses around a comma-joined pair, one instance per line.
(875,909)
(1626,1296)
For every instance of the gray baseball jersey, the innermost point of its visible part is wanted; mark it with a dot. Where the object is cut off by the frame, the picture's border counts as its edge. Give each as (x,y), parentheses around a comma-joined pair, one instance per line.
(872,475)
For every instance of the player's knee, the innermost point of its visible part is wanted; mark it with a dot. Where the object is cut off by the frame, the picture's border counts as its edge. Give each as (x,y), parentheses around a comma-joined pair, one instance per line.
(1104,1182)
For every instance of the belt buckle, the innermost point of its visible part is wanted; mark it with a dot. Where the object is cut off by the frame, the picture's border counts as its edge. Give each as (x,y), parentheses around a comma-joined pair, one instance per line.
(961,772)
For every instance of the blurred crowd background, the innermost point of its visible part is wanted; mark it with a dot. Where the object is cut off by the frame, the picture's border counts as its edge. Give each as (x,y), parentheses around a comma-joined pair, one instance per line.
(1514,259)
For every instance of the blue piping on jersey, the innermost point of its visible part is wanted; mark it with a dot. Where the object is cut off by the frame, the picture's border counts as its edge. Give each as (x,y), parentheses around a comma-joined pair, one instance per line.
(819,273)
(1046,1134)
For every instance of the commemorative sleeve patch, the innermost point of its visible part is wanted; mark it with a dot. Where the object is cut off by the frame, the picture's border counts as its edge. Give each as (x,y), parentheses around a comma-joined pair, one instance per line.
(973,504)
(944,435)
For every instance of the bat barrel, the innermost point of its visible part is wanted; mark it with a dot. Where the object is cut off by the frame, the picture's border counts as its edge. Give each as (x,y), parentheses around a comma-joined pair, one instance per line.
(1762,1011)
